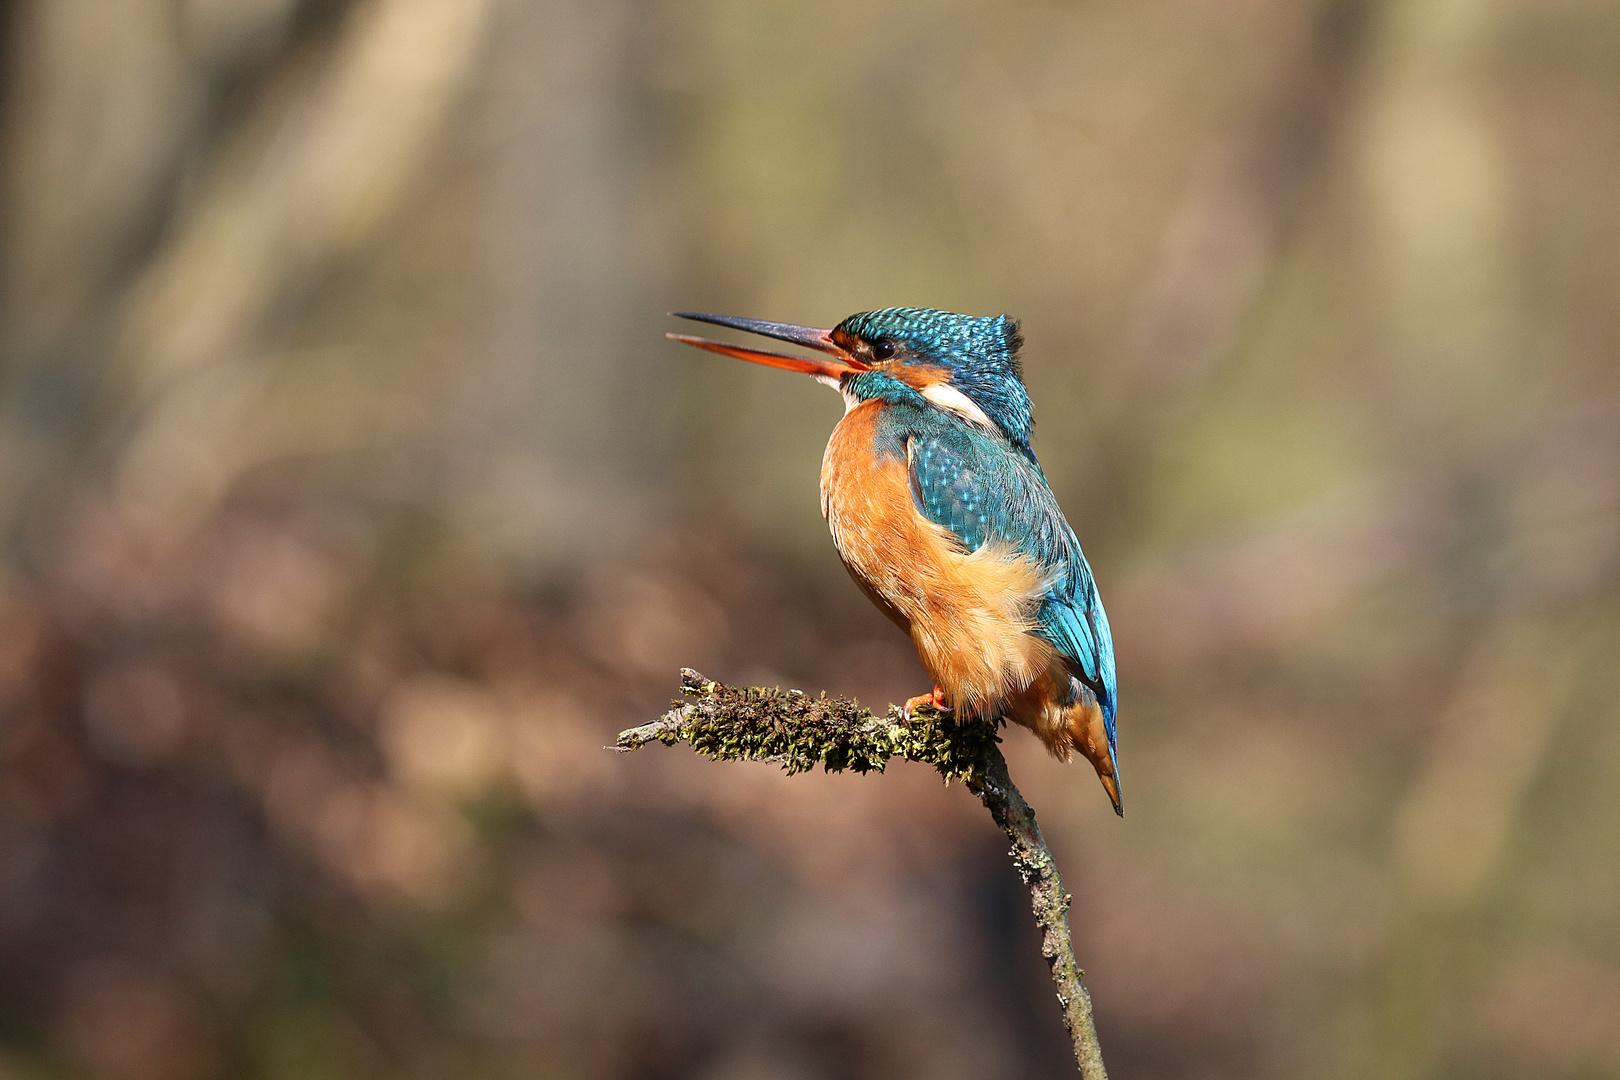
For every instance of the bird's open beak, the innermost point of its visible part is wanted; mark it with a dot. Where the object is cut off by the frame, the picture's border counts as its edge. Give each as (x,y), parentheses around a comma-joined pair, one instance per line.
(841,363)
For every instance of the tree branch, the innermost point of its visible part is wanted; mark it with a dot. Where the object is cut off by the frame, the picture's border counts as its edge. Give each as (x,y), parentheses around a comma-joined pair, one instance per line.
(730,723)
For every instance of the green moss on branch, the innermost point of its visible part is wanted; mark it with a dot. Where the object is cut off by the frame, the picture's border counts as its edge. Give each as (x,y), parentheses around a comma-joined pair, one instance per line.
(752,723)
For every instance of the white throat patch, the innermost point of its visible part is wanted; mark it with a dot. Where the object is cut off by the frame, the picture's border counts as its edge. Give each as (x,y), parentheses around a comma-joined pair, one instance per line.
(850,400)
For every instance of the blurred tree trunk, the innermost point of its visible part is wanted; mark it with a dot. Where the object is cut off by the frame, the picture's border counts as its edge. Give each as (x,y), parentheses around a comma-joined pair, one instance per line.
(236,152)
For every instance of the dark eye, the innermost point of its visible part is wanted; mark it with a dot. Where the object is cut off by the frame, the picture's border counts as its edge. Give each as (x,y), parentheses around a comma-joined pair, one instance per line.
(882,349)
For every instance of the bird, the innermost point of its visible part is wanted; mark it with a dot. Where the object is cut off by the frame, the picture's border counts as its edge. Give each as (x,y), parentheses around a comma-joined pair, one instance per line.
(942,514)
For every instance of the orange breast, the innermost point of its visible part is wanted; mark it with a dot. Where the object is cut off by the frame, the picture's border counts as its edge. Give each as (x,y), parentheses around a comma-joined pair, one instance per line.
(969,614)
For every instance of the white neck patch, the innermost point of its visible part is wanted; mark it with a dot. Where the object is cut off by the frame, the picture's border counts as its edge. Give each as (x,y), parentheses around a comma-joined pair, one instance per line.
(949,397)
(942,394)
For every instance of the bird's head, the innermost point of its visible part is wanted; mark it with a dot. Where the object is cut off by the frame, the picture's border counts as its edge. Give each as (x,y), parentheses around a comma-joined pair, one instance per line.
(962,363)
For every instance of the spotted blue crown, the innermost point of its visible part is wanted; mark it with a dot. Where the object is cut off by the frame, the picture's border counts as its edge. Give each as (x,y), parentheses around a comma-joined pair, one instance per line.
(978,353)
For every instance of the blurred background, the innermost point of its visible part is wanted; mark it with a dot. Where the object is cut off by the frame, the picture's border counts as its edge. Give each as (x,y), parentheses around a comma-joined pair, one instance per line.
(351,501)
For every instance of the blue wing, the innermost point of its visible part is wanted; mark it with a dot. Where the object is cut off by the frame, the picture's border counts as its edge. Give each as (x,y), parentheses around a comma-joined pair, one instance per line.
(982,490)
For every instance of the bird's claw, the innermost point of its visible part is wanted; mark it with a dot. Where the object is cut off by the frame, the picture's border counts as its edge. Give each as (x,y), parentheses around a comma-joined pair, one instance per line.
(934,700)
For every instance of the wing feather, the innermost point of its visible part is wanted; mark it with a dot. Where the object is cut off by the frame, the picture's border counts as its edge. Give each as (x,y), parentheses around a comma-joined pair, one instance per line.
(974,486)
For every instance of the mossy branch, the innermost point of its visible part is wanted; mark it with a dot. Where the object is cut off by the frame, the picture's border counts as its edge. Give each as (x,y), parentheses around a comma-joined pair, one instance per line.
(799,732)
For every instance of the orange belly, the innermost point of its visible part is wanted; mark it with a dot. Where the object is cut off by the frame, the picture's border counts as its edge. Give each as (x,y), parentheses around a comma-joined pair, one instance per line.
(969,613)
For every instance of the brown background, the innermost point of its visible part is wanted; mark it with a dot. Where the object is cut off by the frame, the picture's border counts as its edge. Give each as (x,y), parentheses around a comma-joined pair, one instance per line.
(351,501)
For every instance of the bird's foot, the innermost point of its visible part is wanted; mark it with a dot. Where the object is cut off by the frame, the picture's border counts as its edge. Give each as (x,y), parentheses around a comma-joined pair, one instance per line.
(934,700)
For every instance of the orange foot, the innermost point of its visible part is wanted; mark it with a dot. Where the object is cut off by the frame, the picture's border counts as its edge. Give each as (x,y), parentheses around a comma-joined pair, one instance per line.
(935,700)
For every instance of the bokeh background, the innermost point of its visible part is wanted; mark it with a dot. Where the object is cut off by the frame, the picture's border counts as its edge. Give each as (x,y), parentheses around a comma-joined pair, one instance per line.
(351,501)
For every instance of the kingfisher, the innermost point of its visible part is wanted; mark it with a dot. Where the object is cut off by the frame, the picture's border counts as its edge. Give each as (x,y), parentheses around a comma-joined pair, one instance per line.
(942,515)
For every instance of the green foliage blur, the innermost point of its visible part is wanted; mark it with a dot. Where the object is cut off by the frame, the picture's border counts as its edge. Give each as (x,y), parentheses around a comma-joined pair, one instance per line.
(351,501)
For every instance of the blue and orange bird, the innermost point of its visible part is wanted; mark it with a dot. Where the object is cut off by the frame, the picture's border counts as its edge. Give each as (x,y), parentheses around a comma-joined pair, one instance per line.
(943,517)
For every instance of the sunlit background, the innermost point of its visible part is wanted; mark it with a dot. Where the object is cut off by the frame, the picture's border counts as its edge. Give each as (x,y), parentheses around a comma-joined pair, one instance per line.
(351,501)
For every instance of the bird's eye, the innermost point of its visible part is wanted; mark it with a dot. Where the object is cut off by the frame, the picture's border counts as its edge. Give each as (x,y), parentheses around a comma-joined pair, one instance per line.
(882,349)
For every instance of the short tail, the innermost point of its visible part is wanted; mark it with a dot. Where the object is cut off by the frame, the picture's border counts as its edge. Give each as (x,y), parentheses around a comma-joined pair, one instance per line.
(1068,717)
(1089,734)
(1110,783)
